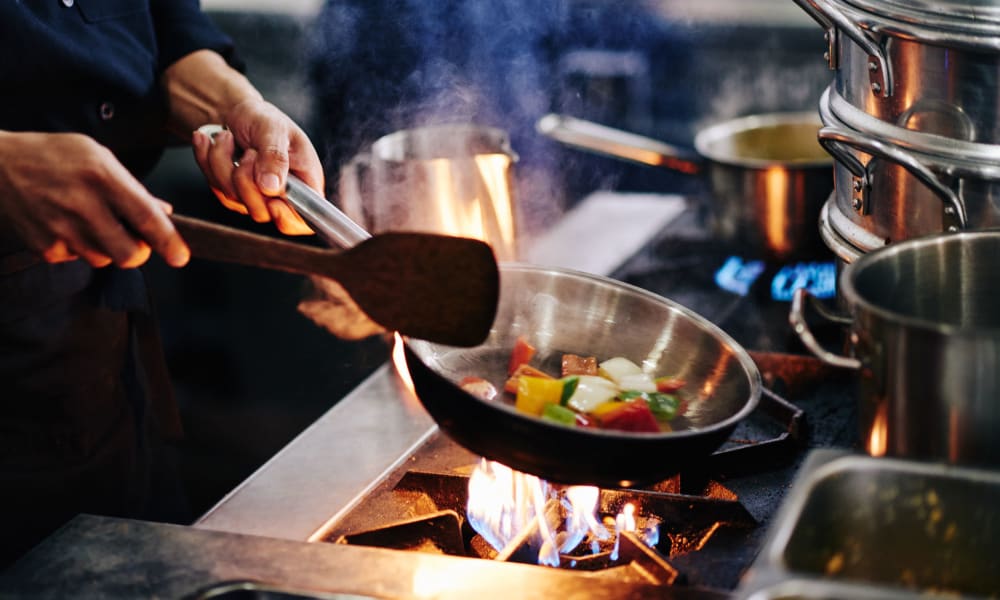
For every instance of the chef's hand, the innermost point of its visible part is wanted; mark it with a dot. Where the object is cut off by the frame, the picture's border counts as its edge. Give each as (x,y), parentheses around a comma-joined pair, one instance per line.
(67,196)
(266,144)
(330,307)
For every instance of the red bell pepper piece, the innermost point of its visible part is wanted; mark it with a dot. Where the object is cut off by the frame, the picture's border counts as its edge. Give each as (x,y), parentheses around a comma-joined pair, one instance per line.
(668,385)
(522,353)
(632,416)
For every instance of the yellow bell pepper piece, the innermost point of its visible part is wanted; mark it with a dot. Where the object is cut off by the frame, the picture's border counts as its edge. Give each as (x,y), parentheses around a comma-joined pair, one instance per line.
(606,407)
(533,393)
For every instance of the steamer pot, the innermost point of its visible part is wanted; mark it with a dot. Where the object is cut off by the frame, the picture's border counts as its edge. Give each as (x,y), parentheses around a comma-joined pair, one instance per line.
(925,66)
(893,184)
(924,330)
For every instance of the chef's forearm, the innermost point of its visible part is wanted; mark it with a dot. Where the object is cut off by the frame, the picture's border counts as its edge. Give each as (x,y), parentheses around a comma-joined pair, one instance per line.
(201,88)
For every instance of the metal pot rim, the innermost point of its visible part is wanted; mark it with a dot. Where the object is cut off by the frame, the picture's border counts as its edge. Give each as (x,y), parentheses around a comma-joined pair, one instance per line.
(951,23)
(855,300)
(706,137)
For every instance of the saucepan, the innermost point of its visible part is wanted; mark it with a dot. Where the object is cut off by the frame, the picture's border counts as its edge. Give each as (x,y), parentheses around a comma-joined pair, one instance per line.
(925,337)
(564,311)
(768,175)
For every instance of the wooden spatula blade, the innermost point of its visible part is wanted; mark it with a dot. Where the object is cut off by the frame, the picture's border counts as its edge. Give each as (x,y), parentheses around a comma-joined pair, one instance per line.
(433,287)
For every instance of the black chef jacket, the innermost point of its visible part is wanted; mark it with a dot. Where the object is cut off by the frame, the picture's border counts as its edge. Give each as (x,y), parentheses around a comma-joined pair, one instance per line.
(77,344)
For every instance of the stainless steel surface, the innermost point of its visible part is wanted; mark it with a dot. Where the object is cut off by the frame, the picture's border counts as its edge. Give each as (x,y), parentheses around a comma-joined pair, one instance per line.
(450,179)
(919,65)
(111,559)
(797,319)
(767,173)
(857,527)
(829,230)
(926,336)
(562,311)
(324,470)
(835,139)
(893,184)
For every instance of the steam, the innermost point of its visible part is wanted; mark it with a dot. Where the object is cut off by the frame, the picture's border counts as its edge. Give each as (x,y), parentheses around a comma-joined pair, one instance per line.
(380,66)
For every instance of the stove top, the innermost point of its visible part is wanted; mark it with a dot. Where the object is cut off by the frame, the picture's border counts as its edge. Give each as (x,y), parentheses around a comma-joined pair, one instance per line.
(711,519)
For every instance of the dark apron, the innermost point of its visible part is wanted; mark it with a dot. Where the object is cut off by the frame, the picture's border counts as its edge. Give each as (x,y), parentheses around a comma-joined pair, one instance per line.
(84,396)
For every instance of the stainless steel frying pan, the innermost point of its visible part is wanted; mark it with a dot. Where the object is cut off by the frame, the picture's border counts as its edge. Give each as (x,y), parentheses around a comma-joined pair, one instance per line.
(567,311)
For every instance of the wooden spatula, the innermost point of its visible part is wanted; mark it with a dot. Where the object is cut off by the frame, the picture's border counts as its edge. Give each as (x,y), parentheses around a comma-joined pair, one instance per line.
(433,287)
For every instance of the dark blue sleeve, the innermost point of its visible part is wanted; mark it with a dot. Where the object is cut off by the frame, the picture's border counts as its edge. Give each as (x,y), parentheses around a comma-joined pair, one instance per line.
(182,28)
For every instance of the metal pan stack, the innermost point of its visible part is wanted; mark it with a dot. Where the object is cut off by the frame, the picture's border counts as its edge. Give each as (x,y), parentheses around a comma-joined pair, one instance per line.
(912,118)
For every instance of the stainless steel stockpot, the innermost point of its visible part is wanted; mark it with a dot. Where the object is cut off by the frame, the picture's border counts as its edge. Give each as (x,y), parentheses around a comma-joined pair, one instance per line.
(925,65)
(893,184)
(924,330)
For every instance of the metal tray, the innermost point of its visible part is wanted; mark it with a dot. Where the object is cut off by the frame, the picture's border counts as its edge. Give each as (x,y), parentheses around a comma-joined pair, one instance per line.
(860,527)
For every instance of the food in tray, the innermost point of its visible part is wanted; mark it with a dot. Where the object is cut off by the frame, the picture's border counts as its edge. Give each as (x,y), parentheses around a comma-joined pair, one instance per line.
(613,394)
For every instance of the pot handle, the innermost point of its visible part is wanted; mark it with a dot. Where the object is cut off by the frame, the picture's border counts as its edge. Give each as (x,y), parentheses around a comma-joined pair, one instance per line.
(834,138)
(612,142)
(796,318)
(834,21)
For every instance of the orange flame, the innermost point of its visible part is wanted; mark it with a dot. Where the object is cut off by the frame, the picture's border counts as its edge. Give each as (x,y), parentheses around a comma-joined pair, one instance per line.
(399,361)
(503,503)
(878,432)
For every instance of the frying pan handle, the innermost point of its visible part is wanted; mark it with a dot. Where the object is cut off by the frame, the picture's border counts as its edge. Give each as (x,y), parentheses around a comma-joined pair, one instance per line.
(618,144)
(326,219)
(833,139)
(796,318)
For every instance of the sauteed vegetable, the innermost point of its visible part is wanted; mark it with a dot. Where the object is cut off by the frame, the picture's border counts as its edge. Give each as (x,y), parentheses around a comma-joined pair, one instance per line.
(612,394)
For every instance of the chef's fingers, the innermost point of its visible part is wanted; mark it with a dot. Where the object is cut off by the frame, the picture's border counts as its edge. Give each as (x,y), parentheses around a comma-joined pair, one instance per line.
(57,251)
(286,219)
(247,190)
(271,169)
(219,165)
(146,227)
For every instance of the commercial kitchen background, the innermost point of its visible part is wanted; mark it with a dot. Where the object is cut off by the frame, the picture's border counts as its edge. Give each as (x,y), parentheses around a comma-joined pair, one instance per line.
(251,373)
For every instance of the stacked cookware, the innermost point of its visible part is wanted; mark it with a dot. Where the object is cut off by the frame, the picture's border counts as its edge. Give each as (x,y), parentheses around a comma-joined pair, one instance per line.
(912,118)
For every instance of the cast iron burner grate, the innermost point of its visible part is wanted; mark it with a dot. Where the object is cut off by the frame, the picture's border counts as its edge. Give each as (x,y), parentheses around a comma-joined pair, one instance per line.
(697,519)
(686,523)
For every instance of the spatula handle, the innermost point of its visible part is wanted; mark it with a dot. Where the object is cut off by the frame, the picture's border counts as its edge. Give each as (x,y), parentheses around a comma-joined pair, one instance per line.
(326,219)
(218,242)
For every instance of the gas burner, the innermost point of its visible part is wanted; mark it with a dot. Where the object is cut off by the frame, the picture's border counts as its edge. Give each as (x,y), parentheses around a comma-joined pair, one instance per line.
(683,524)
(695,517)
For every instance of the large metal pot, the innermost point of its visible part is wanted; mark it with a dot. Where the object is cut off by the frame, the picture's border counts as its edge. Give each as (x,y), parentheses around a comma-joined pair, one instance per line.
(567,311)
(767,174)
(894,184)
(925,335)
(926,66)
